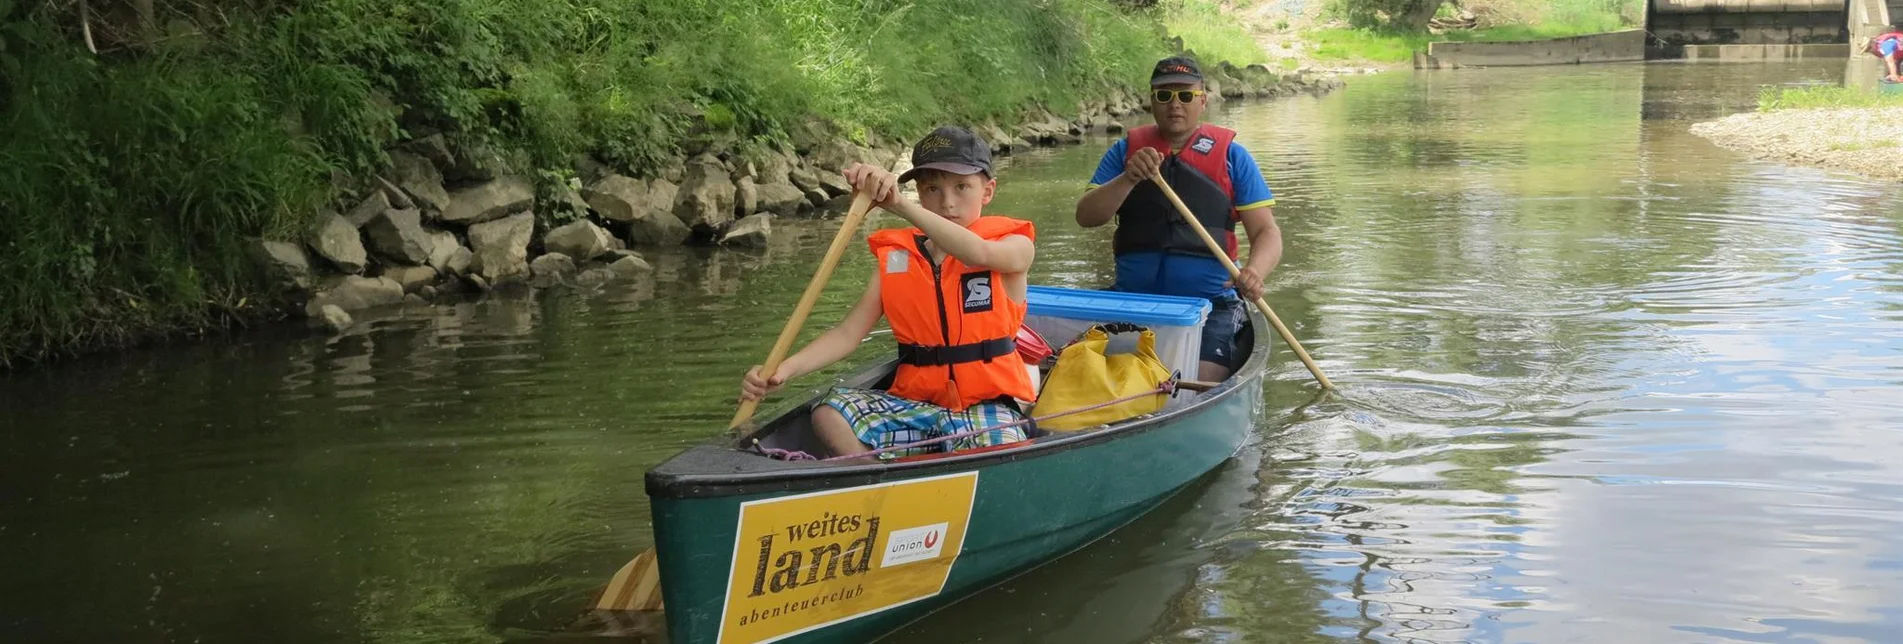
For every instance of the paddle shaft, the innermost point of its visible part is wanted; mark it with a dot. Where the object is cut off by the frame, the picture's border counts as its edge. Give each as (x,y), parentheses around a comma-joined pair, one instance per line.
(861,202)
(1236,274)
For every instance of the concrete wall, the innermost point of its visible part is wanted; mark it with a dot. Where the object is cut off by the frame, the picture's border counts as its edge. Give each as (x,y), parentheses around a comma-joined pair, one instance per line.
(1745,6)
(1761,53)
(1869,18)
(1617,46)
(1741,28)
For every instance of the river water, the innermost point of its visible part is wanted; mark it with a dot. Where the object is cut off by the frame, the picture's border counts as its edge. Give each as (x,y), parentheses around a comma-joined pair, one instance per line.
(1599,381)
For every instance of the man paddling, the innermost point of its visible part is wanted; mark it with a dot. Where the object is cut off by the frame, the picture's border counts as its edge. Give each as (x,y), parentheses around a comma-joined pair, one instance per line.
(953,287)
(1156,251)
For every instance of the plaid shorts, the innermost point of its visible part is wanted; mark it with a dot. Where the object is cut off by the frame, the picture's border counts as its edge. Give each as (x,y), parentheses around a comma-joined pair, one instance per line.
(883,420)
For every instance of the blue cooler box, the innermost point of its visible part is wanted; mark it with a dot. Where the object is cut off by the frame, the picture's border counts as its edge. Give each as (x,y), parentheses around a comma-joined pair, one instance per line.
(1063,314)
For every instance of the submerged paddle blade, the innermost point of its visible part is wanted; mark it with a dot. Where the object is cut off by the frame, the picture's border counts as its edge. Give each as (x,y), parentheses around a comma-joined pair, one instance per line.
(637,586)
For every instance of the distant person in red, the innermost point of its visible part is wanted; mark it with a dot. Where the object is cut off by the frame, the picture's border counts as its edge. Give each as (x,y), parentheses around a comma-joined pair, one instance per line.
(1889,47)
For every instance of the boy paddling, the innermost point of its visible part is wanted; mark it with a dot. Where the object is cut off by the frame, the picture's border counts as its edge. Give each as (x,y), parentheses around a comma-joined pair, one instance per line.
(953,287)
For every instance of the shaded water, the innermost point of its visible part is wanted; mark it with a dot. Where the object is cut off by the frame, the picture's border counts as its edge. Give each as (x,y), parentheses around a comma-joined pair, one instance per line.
(1599,381)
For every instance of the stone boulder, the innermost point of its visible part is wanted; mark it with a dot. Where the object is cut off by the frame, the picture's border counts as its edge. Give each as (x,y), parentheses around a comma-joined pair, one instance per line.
(412,278)
(501,247)
(809,181)
(783,199)
(393,195)
(421,181)
(490,201)
(580,240)
(630,265)
(752,231)
(433,147)
(337,241)
(459,261)
(835,155)
(355,292)
(594,277)
(816,197)
(551,265)
(443,247)
(645,206)
(674,169)
(285,262)
(374,205)
(746,195)
(707,196)
(334,317)
(776,168)
(399,235)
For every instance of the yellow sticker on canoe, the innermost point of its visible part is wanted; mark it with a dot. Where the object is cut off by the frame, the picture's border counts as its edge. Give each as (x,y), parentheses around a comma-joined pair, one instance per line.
(813,560)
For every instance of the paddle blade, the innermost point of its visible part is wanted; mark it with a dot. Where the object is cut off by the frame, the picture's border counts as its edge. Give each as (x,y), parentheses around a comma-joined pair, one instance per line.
(637,586)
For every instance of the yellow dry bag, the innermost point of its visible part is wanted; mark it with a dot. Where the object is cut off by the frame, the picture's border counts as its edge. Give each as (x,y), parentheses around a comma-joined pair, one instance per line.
(1086,375)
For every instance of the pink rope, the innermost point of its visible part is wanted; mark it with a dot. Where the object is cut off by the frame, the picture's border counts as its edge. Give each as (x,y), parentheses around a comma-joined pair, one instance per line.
(1166,387)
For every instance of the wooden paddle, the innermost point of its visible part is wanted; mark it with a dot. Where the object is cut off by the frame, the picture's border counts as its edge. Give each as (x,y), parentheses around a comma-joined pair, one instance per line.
(637,586)
(1236,274)
(861,202)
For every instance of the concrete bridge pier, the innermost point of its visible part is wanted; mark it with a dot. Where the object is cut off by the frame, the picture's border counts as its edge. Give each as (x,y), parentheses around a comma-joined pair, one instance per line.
(1757,30)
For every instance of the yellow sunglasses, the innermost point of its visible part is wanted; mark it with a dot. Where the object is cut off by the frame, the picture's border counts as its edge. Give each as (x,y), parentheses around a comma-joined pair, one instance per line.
(1182,95)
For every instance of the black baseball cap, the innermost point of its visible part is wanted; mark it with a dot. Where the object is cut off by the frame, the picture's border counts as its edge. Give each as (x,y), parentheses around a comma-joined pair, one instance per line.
(1175,69)
(952,149)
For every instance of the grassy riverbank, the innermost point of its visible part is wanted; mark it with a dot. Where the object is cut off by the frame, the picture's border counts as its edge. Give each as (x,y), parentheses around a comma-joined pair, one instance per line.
(141,150)
(1363,31)
(1773,99)
(1856,130)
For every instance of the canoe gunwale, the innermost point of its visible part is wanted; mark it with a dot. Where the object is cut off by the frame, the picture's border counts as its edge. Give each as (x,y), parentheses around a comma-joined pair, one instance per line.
(708,470)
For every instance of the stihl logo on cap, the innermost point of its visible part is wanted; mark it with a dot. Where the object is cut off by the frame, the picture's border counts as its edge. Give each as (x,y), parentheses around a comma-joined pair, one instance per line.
(1176,68)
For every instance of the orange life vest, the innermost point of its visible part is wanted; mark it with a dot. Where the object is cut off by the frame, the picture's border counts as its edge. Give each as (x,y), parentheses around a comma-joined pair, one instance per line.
(956,326)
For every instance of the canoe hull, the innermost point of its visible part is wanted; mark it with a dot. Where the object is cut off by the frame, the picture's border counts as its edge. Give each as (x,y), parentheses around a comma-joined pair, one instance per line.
(1023,512)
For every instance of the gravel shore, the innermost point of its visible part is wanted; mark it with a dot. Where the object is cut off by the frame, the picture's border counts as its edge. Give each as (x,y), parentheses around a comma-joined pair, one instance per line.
(1865,141)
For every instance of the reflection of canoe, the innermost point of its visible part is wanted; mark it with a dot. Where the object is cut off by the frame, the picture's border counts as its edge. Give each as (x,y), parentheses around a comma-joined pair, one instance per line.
(753,549)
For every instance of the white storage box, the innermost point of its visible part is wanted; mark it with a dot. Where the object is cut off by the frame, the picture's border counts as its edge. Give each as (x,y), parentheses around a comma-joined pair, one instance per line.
(1063,314)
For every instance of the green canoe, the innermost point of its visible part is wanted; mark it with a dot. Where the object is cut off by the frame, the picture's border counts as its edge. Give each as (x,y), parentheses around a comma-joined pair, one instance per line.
(753,549)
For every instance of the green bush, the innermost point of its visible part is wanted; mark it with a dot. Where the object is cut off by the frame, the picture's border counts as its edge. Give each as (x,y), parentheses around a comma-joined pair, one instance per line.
(130,178)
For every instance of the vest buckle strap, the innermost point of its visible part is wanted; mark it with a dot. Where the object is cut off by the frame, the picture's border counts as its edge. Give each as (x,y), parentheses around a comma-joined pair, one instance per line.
(928,356)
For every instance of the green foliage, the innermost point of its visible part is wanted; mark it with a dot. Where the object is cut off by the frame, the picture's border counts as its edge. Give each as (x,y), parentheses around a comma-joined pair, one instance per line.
(1368,44)
(1213,35)
(1381,14)
(130,178)
(1375,36)
(1772,99)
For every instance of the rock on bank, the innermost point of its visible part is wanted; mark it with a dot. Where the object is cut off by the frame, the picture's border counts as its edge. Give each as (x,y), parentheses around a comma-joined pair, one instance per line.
(429,228)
